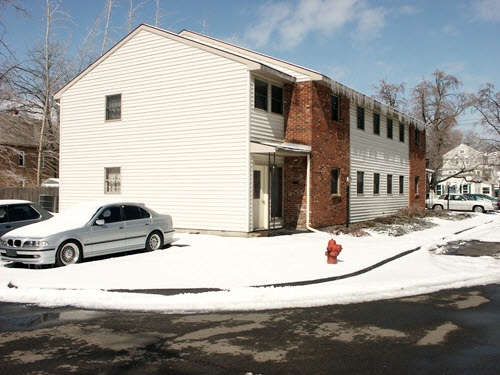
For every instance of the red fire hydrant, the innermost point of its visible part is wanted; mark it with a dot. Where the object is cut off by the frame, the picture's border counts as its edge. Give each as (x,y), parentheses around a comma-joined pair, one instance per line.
(332,251)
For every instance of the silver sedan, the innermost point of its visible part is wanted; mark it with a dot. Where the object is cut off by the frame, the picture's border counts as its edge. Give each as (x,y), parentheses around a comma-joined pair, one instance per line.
(87,230)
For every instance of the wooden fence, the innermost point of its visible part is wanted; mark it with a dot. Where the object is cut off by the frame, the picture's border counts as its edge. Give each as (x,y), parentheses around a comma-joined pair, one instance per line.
(46,197)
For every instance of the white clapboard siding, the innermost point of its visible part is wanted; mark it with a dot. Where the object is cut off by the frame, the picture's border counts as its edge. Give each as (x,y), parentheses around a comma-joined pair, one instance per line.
(183,140)
(371,154)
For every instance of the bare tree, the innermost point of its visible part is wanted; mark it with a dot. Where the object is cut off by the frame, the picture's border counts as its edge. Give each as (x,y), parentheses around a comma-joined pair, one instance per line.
(438,103)
(9,132)
(45,71)
(487,103)
(107,23)
(391,94)
(8,63)
(132,9)
(157,13)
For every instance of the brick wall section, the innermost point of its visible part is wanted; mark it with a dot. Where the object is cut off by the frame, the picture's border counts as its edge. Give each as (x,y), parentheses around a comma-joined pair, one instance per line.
(417,168)
(297,116)
(308,121)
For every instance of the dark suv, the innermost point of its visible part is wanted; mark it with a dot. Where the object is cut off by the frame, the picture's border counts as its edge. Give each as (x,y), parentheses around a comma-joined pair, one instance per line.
(18,213)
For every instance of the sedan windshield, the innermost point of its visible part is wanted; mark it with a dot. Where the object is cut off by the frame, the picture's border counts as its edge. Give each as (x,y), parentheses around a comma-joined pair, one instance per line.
(79,214)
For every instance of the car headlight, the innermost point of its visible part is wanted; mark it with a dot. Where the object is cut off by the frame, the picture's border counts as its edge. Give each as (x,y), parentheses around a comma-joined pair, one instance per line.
(36,244)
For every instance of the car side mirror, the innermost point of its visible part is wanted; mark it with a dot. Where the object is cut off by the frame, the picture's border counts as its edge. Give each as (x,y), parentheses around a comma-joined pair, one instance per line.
(99,222)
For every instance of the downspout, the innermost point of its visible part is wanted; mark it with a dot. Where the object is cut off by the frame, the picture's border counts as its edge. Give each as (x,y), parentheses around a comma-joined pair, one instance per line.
(308,193)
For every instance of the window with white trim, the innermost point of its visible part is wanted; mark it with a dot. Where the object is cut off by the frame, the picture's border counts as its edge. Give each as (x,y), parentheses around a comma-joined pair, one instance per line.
(22,159)
(112,180)
(113,107)
(268,96)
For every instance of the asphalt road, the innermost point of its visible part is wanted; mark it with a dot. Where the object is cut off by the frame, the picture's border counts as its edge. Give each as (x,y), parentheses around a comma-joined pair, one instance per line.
(450,332)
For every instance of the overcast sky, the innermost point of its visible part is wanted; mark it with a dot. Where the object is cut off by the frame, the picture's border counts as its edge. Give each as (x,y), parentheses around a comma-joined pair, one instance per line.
(355,42)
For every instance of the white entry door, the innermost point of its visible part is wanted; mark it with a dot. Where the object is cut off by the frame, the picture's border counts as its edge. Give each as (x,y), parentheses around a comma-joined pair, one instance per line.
(260,197)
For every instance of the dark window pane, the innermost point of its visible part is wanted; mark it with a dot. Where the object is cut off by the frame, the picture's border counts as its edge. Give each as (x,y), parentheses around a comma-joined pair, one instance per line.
(111,214)
(376,183)
(389,184)
(360,182)
(22,212)
(389,128)
(22,159)
(335,108)
(134,213)
(256,184)
(361,118)
(335,181)
(376,123)
(277,99)
(401,132)
(144,214)
(401,184)
(260,95)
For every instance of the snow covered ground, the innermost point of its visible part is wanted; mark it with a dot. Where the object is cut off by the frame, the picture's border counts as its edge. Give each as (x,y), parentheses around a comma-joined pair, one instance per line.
(238,266)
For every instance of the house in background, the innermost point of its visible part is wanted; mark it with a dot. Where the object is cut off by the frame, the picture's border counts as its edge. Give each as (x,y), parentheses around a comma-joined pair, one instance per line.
(19,151)
(476,172)
(228,140)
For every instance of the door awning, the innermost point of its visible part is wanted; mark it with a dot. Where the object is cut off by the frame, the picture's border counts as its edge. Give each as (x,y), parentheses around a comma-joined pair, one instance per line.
(279,148)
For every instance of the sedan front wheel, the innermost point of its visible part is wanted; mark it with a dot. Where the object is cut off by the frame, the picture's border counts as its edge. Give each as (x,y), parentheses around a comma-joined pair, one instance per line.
(68,253)
(478,209)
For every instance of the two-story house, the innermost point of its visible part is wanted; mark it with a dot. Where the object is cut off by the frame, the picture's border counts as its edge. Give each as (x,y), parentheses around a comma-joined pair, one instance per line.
(230,140)
(466,170)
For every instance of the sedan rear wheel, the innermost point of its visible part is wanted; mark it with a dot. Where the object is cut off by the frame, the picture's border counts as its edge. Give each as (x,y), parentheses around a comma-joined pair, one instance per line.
(438,207)
(478,209)
(154,241)
(68,253)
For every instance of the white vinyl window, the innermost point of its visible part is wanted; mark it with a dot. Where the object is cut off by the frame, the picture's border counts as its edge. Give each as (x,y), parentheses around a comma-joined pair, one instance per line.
(112,180)
(267,96)
(113,107)
(22,159)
